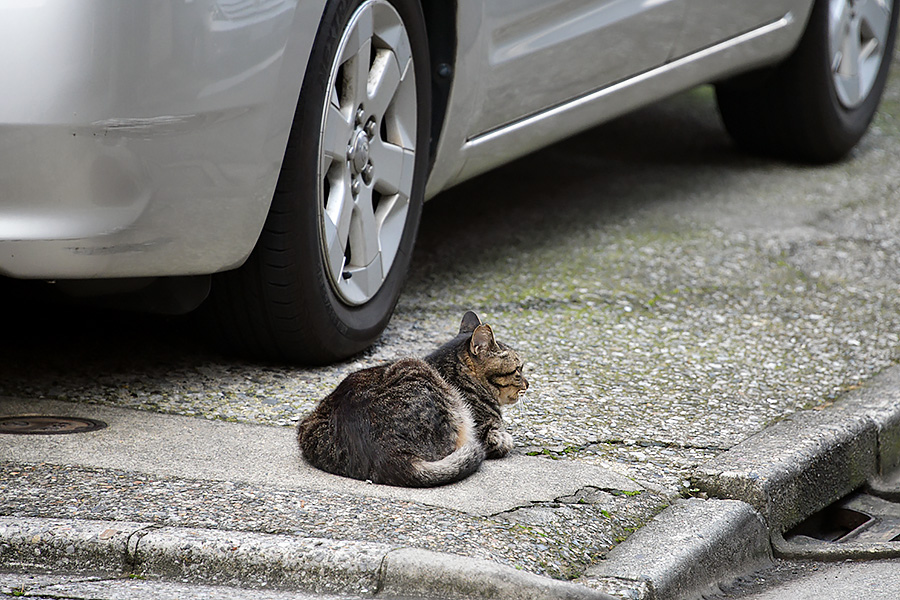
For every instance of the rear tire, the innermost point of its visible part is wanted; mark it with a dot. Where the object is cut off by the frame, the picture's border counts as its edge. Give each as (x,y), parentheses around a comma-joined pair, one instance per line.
(817,104)
(326,273)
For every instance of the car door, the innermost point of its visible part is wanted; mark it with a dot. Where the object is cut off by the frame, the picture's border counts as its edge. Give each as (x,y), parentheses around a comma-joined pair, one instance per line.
(540,53)
(708,22)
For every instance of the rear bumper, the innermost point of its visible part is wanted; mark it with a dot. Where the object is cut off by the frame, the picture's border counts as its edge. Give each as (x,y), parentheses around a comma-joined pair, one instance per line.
(143,138)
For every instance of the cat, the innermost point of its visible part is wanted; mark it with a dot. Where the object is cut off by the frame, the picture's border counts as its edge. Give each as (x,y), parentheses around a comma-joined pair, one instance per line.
(419,423)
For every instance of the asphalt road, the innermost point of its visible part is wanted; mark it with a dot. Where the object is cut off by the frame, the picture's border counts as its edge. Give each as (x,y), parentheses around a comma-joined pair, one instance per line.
(671,296)
(875,580)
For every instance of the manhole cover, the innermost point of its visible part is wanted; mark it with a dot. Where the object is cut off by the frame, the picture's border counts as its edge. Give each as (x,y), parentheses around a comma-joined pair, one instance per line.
(42,425)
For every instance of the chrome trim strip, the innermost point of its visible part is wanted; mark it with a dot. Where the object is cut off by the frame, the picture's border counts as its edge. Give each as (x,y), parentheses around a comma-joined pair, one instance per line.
(552,112)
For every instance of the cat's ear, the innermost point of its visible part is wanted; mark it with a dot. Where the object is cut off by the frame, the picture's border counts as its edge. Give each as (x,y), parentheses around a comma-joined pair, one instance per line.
(470,322)
(482,340)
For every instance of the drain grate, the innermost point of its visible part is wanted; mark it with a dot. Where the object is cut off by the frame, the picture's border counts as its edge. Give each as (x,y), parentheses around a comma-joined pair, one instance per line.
(47,425)
(865,524)
(834,524)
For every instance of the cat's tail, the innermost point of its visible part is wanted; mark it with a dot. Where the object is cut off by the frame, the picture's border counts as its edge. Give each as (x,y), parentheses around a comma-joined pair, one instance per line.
(457,465)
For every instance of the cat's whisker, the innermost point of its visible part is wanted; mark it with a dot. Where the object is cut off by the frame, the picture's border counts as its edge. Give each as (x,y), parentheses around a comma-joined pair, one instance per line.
(520,403)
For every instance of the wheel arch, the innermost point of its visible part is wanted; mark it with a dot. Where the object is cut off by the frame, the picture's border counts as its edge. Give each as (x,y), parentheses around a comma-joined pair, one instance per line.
(791,110)
(281,304)
(441,27)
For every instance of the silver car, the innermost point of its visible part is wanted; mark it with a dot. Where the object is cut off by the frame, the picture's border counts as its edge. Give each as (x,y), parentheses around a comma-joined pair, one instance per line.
(271,157)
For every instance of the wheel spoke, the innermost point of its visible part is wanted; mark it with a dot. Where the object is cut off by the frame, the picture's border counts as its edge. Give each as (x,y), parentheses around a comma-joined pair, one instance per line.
(384,79)
(849,88)
(363,282)
(356,74)
(875,19)
(838,19)
(336,132)
(875,16)
(363,230)
(391,34)
(338,216)
(393,168)
(391,218)
(359,36)
(364,274)
(850,64)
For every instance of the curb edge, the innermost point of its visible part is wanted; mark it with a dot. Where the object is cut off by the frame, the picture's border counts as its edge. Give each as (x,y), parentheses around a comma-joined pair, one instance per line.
(268,561)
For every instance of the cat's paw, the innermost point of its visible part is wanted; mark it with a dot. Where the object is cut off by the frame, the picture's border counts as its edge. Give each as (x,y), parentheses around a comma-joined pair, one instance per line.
(498,443)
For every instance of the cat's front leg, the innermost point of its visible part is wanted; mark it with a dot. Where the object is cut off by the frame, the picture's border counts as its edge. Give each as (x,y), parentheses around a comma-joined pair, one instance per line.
(497,443)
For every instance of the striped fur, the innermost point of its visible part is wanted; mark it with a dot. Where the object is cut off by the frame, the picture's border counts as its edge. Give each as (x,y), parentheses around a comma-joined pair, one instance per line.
(418,423)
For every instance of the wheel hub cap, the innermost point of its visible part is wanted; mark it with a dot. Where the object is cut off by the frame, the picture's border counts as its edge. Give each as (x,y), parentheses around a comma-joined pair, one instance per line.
(358,154)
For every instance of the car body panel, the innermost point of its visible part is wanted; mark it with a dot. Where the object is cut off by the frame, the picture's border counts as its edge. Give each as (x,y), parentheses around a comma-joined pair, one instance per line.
(145,137)
(137,125)
(708,22)
(462,155)
(538,53)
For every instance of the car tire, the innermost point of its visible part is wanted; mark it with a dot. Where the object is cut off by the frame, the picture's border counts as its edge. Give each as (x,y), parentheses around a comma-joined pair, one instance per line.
(816,105)
(329,265)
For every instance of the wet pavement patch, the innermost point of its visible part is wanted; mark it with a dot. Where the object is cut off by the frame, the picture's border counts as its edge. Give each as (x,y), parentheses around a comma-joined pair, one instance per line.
(48,425)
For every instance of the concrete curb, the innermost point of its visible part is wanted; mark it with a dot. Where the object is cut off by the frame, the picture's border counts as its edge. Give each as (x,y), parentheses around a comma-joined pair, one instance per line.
(757,490)
(685,551)
(258,560)
(268,561)
(423,574)
(67,545)
(811,459)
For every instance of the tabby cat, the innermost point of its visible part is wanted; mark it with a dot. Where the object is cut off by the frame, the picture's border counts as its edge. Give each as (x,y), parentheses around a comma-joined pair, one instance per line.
(418,422)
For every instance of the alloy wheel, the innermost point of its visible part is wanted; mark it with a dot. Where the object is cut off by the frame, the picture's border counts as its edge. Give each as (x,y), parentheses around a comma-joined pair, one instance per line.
(367,152)
(858,34)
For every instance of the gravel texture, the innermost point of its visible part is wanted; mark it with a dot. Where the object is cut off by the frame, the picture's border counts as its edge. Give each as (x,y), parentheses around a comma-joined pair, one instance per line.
(672,297)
